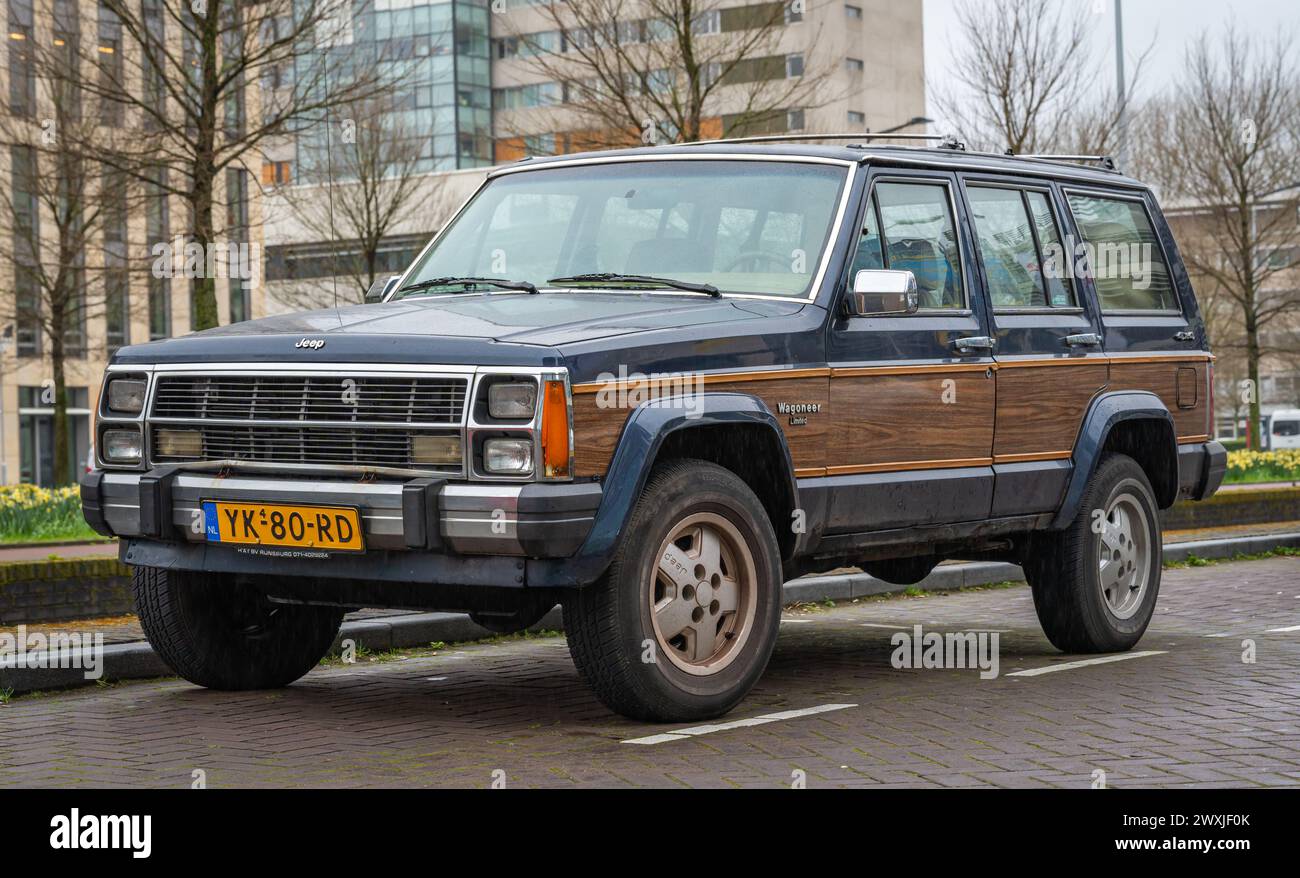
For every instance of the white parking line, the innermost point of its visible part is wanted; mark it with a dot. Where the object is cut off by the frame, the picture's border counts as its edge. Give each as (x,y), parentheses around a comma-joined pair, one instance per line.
(1083,663)
(796,621)
(695,731)
(1283,630)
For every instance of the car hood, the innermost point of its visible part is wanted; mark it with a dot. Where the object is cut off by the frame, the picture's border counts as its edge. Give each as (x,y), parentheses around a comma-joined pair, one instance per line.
(466,327)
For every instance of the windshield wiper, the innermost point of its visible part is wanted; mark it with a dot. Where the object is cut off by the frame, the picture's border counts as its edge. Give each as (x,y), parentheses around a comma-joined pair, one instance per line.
(469,282)
(615,277)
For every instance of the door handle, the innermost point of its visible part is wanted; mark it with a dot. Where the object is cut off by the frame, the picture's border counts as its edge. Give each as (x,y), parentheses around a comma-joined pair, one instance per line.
(974,343)
(1082,339)
(1185,335)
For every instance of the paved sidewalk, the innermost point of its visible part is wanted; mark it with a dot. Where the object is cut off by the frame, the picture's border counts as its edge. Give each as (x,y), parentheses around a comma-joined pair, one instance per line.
(1182,710)
(68,550)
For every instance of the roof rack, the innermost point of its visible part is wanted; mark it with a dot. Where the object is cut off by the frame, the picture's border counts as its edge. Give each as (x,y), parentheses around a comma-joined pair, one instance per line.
(947,141)
(1104,160)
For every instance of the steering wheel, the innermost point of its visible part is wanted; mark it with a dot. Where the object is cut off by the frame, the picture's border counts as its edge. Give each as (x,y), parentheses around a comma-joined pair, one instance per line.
(753,257)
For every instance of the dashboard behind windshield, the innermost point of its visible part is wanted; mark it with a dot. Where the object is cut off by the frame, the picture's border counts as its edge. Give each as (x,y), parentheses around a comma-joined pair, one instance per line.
(750,227)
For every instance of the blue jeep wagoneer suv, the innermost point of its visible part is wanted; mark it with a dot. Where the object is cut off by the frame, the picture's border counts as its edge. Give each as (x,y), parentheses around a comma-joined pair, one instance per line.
(652,385)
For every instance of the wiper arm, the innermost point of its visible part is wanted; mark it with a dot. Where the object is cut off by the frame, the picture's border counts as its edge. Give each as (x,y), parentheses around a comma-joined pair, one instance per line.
(469,282)
(615,277)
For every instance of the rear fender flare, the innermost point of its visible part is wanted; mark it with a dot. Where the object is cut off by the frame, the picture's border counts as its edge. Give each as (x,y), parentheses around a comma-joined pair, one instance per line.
(1106,411)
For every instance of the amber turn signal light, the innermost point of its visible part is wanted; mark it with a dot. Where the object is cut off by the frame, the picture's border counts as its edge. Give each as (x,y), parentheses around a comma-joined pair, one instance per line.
(555,430)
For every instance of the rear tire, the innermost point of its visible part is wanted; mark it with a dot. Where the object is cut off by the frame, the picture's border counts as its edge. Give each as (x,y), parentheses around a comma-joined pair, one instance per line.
(223,635)
(1095,583)
(683,622)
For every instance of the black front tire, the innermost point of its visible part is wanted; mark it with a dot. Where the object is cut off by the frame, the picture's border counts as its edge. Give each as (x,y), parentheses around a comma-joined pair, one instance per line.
(611,626)
(224,635)
(1071,596)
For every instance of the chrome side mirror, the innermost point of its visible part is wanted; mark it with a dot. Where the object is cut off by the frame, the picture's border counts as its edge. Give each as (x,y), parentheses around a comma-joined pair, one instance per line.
(880,292)
(380,288)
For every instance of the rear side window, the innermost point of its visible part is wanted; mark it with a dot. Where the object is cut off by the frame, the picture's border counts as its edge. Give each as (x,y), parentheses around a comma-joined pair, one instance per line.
(909,227)
(1016,229)
(1127,265)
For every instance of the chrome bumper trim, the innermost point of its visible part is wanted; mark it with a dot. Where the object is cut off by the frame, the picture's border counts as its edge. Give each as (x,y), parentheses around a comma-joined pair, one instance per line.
(472,518)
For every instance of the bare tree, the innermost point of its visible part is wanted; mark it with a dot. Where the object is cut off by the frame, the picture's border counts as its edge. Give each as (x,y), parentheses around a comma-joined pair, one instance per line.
(1026,79)
(56,204)
(184,76)
(362,195)
(1236,155)
(654,70)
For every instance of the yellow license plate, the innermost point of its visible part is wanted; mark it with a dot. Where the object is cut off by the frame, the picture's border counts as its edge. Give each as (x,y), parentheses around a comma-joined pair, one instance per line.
(330,528)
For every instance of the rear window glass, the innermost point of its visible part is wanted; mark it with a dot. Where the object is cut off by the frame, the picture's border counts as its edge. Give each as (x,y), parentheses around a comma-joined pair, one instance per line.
(1015,230)
(1124,256)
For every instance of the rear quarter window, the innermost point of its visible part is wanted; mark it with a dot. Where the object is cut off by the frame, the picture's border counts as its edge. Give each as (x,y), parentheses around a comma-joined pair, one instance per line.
(1125,258)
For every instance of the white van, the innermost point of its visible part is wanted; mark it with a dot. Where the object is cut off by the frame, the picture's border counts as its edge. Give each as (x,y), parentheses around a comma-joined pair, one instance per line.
(1284,429)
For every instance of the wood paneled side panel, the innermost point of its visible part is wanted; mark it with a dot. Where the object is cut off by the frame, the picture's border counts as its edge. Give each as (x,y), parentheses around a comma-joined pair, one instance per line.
(1040,408)
(595,434)
(597,426)
(1161,378)
(881,419)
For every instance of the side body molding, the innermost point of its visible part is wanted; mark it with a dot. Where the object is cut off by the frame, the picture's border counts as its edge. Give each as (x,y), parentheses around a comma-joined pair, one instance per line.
(1106,411)
(644,433)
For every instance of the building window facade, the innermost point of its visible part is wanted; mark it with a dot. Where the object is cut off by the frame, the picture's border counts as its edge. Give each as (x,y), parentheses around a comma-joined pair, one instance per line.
(156,224)
(26,234)
(36,433)
(22,76)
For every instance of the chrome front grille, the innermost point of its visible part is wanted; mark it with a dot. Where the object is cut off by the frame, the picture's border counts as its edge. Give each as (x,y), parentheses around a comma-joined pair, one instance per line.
(317,419)
(399,400)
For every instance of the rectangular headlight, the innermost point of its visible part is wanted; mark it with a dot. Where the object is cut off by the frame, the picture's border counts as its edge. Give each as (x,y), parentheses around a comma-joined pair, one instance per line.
(126,395)
(178,443)
(512,400)
(122,446)
(508,457)
(436,450)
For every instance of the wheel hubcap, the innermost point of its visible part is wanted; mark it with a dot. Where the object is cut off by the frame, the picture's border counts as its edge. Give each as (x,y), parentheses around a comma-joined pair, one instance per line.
(1124,556)
(702,599)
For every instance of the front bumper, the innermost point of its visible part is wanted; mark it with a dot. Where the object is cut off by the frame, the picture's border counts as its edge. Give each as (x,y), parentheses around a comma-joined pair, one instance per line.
(420,515)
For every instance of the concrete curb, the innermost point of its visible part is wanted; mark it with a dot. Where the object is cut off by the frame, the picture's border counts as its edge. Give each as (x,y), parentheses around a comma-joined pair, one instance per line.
(127,661)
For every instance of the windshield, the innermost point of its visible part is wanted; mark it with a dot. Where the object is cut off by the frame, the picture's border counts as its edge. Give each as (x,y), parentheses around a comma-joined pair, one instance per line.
(740,226)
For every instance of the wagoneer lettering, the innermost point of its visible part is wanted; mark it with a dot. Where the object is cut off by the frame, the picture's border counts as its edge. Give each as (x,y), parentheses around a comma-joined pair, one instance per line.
(627,421)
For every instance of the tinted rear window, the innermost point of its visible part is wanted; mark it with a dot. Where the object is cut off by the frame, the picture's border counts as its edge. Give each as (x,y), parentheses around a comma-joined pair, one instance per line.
(1127,263)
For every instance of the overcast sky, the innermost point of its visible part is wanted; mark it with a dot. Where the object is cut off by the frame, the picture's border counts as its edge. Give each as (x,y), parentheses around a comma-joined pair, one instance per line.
(1170,23)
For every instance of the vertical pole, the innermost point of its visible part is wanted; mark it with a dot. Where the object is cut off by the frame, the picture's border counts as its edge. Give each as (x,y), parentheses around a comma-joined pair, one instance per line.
(1121,96)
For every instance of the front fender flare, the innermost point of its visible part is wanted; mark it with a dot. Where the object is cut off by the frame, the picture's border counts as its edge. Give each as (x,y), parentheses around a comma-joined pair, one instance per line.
(1106,411)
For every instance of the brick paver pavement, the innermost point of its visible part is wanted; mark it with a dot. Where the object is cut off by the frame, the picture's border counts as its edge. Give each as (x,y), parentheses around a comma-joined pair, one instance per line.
(1194,715)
